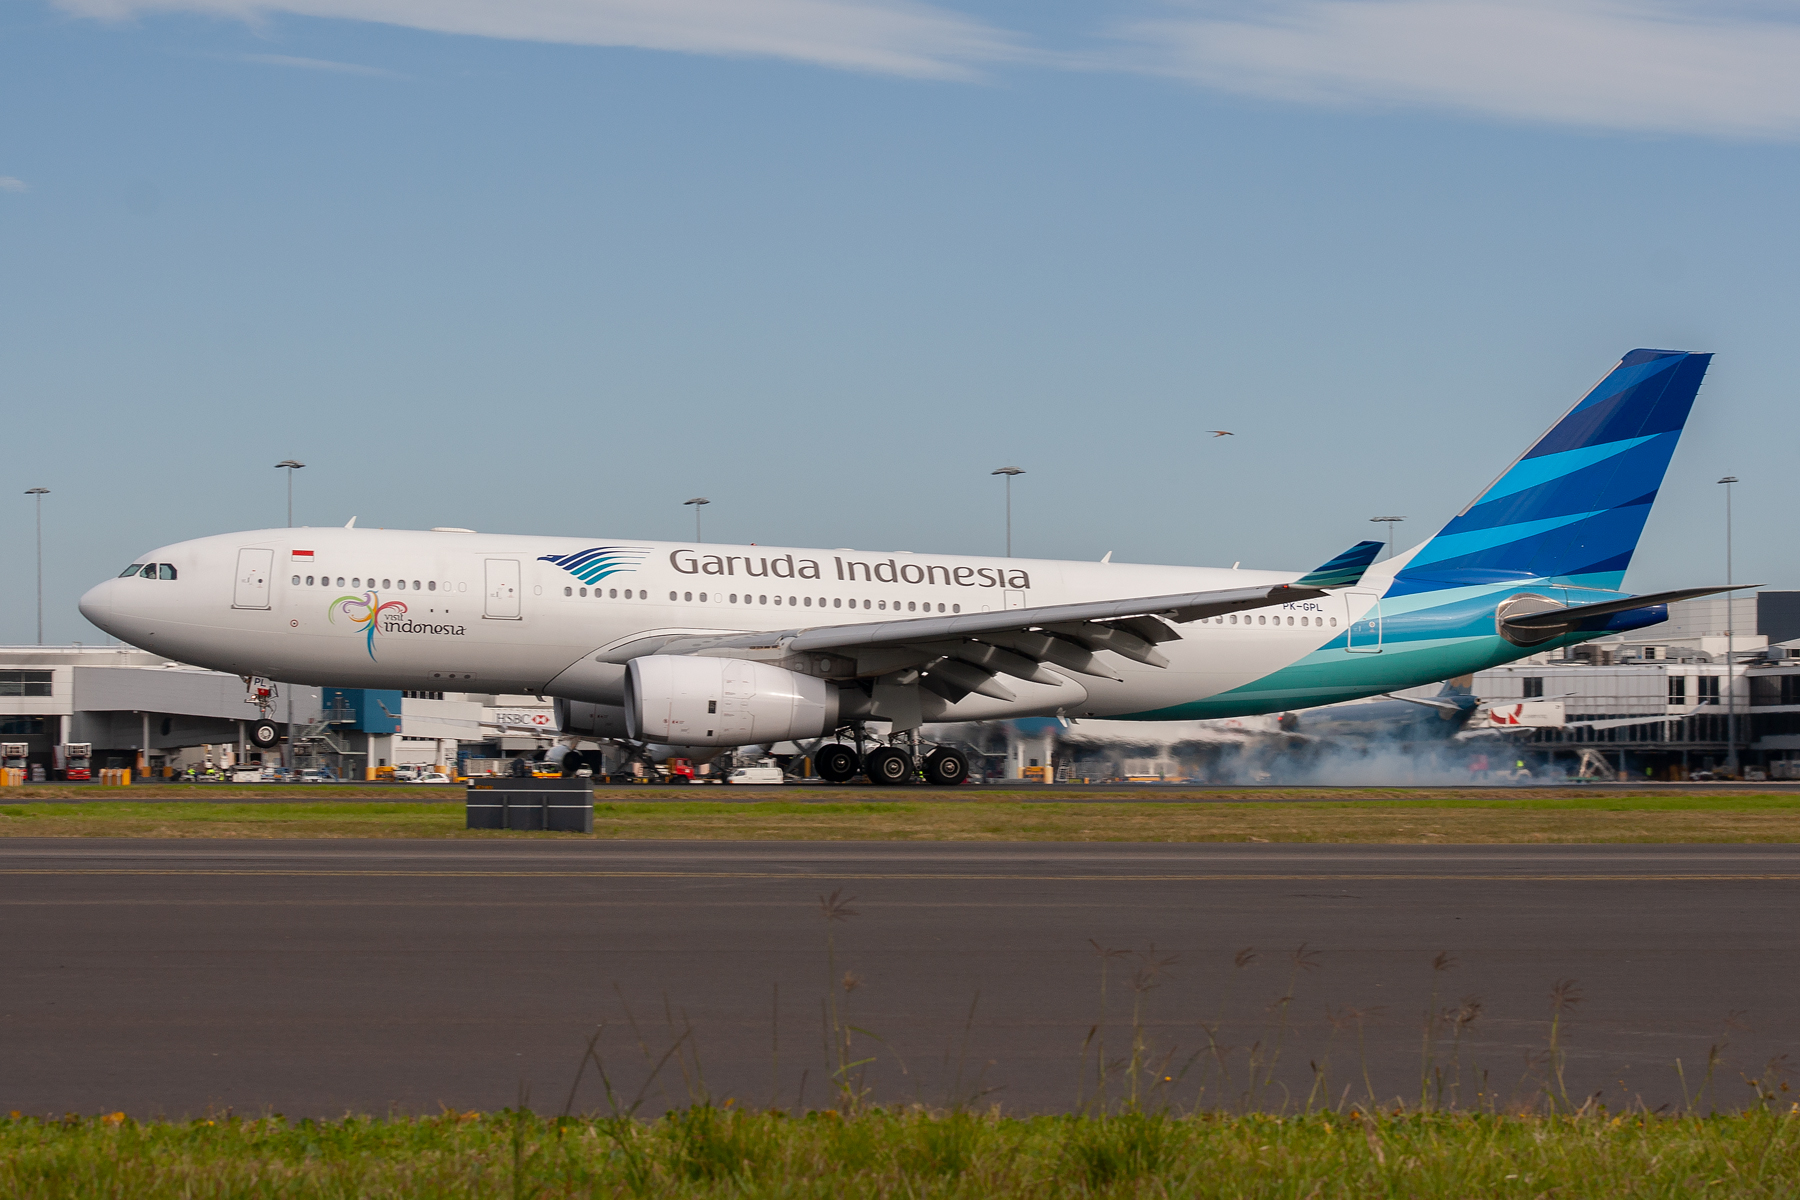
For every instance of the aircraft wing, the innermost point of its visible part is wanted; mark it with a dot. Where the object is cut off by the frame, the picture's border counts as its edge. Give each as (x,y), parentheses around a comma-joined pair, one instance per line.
(964,652)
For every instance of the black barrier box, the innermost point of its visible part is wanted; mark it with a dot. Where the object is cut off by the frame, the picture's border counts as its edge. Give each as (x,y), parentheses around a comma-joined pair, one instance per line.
(559,805)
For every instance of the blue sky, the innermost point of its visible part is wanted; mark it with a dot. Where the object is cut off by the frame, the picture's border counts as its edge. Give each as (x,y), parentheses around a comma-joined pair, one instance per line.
(558,265)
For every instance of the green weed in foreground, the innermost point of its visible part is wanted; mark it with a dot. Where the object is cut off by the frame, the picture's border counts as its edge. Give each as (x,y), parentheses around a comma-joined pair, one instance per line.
(726,1152)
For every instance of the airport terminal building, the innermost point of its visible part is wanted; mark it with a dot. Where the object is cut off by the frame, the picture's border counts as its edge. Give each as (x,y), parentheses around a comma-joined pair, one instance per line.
(139,711)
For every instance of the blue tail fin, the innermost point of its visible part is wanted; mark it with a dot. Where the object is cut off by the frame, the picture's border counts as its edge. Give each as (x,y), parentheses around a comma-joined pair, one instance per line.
(1570,510)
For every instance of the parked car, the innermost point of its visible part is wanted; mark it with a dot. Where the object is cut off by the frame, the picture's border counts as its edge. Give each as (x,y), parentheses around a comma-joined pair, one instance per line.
(431,777)
(757,775)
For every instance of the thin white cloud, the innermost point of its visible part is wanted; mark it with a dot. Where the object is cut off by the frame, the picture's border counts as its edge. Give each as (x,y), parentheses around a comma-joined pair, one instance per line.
(900,37)
(1673,66)
(317,64)
(9,184)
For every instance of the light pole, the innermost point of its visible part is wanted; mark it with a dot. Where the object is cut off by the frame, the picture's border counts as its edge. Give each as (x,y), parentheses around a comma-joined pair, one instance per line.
(38,494)
(290,466)
(698,502)
(1390,522)
(1009,472)
(1731,758)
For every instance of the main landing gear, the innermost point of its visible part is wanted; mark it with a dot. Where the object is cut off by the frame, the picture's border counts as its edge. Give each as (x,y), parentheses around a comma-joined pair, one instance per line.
(887,766)
(945,767)
(836,763)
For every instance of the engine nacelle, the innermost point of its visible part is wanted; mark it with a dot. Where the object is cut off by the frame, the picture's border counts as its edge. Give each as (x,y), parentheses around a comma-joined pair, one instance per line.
(724,702)
(595,720)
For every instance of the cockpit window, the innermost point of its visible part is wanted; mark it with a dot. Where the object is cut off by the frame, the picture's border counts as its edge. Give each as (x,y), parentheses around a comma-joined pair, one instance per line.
(133,569)
(149,572)
(165,570)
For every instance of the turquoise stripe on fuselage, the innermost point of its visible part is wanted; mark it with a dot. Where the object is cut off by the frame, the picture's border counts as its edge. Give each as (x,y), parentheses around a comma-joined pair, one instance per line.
(1425,641)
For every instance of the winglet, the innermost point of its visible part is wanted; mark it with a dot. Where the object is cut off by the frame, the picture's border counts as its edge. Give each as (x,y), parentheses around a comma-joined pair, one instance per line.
(1342,571)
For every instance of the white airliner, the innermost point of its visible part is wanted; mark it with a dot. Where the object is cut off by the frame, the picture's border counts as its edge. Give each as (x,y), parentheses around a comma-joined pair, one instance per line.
(720,646)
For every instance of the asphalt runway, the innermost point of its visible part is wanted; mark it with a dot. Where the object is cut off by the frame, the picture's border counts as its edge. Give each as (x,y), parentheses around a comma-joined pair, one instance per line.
(317,977)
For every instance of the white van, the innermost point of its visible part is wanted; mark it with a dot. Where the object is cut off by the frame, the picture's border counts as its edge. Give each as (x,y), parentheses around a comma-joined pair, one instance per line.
(758,775)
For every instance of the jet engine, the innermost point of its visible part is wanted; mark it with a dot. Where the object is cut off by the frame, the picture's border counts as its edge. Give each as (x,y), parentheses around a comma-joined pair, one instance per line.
(693,701)
(595,720)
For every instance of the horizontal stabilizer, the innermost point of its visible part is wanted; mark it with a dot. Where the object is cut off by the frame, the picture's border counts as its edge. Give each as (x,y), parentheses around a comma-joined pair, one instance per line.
(1556,617)
(1344,570)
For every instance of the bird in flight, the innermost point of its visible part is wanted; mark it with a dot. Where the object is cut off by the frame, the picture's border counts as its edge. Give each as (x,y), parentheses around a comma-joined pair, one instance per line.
(1221,433)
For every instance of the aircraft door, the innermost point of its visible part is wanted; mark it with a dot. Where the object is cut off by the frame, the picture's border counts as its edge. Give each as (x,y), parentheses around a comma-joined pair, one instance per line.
(502,589)
(251,588)
(1364,636)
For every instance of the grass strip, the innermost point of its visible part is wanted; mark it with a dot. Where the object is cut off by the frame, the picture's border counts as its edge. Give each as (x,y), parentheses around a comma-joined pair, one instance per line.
(1750,817)
(705,1152)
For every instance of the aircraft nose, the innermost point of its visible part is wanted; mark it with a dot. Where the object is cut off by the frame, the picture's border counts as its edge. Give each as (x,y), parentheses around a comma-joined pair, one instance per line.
(97,606)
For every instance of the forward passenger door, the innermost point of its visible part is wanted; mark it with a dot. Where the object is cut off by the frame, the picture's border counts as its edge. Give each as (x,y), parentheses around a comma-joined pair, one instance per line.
(251,587)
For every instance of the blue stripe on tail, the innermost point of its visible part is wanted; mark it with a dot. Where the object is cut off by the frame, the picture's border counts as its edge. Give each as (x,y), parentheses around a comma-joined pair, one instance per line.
(1570,511)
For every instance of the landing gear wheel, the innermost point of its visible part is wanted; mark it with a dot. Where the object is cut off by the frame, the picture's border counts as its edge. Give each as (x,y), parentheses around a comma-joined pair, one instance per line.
(836,764)
(887,766)
(264,733)
(945,768)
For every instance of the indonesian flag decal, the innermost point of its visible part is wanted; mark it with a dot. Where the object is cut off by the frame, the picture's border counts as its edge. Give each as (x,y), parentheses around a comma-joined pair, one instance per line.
(302,555)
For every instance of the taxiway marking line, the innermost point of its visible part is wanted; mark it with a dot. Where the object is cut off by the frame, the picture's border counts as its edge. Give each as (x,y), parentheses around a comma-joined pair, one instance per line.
(923,876)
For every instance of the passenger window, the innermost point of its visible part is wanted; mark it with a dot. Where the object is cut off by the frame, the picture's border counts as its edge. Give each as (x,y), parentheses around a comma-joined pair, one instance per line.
(703,597)
(1262,620)
(340,581)
(432,586)
(415,585)
(778,600)
(1334,622)
(882,606)
(809,602)
(837,602)
(734,597)
(762,599)
(568,591)
(956,608)
(673,596)
(910,606)
(1303,620)
(387,583)
(688,596)
(356,581)
(133,569)
(865,604)
(296,581)
(309,581)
